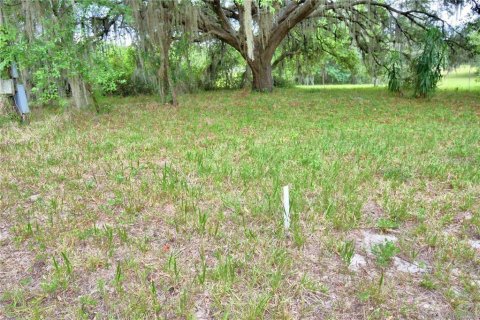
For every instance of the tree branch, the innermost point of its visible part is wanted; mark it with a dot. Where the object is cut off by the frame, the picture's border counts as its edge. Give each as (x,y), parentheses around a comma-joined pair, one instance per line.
(289,18)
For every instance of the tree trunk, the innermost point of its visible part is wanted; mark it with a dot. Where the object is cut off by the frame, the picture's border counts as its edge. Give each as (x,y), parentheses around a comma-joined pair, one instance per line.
(257,49)
(246,77)
(262,75)
(163,81)
(167,89)
(89,89)
(80,94)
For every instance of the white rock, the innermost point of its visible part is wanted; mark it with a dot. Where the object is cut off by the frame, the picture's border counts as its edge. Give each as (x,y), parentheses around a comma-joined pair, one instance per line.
(34,197)
(407,267)
(201,314)
(456,272)
(427,306)
(358,261)
(371,239)
(475,244)
(463,216)
(3,235)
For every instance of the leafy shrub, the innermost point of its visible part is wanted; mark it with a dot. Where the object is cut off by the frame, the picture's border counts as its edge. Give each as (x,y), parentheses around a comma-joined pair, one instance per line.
(428,65)
(384,252)
(347,251)
(114,66)
(281,82)
(425,70)
(394,74)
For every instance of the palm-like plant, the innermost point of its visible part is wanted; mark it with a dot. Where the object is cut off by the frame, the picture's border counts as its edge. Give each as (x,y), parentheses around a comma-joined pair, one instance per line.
(428,65)
(394,74)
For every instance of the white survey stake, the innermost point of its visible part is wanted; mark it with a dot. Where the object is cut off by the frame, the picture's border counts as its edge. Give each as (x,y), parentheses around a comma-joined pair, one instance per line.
(286,208)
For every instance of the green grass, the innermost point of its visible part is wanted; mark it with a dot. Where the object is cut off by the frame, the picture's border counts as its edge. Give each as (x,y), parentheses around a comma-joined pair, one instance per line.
(148,210)
(462,78)
(337,86)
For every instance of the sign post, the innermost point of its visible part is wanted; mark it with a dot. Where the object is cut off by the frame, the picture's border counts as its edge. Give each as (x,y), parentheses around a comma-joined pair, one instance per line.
(11,87)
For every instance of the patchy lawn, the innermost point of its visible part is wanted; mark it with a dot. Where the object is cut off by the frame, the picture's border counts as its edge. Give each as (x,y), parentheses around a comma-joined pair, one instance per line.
(147,210)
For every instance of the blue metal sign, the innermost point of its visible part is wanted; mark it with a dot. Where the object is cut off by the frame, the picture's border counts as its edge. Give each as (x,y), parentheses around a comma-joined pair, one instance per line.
(21,99)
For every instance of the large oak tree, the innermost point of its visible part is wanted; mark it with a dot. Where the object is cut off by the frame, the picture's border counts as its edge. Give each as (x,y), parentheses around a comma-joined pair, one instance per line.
(269,23)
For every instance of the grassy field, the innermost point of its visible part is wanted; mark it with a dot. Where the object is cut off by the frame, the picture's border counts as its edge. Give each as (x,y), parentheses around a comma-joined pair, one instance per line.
(463,78)
(149,211)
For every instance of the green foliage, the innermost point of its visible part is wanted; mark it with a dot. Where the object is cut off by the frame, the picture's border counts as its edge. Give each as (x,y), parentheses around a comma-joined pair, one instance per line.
(474,37)
(394,74)
(384,252)
(7,50)
(65,49)
(52,56)
(347,251)
(220,66)
(385,224)
(114,67)
(428,65)
(337,74)
(119,276)
(280,82)
(202,269)
(321,51)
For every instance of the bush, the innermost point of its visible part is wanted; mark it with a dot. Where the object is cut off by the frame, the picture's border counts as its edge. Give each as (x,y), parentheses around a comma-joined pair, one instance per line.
(425,70)
(394,74)
(281,82)
(428,66)
(114,70)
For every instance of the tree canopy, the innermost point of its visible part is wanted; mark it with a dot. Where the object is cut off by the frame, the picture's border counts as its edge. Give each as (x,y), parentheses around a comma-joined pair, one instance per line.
(83,48)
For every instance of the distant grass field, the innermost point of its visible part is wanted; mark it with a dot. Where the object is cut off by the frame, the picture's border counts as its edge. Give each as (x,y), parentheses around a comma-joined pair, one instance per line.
(463,78)
(148,211)
(337,86)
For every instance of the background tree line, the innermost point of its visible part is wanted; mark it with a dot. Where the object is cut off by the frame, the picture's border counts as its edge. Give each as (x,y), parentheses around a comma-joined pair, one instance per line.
(81,49)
